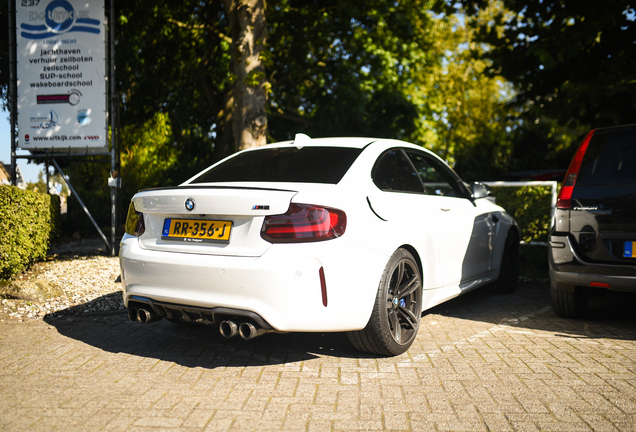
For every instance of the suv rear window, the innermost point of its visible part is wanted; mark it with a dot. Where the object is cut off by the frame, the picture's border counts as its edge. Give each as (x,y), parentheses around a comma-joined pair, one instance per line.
(288,164)
(610,159)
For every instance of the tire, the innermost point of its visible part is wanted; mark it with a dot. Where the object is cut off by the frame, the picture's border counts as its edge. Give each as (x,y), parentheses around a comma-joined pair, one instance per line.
(397,311)
(509,270)
(568,304)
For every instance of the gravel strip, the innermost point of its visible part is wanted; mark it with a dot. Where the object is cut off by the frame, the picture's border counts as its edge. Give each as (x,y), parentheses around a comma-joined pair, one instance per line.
(75,286)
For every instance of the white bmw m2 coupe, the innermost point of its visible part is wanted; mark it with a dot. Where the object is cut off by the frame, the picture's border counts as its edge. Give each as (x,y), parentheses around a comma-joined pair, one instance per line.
(316,235)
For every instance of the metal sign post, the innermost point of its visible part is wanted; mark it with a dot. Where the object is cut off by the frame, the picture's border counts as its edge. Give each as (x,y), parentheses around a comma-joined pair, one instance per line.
(12,90)
(113,131)
(58,95)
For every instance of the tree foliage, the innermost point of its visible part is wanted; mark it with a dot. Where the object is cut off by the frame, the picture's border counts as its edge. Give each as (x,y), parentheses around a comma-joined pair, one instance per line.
(570,60)
(342,68)
(466,110)
(144,166)
(332,68)
(173,58)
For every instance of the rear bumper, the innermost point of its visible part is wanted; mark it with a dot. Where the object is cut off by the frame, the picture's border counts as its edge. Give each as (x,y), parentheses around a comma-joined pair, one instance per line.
(282,286)
(570,270)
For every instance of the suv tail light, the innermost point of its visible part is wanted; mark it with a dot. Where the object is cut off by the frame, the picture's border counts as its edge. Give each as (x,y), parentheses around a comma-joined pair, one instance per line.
(304,223)
(564,201)
(135,222)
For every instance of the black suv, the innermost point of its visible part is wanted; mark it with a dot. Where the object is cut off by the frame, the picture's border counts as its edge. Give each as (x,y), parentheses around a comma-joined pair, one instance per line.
(593,236)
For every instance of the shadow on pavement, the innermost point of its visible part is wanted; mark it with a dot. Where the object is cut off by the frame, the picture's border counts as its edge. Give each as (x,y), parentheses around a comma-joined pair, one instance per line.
(610,316)
(194,345)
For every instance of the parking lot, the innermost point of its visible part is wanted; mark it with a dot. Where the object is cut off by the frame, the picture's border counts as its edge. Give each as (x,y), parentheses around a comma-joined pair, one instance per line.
(480,362)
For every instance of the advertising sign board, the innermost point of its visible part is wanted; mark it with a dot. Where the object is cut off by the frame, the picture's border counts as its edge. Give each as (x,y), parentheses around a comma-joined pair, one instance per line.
(61,74)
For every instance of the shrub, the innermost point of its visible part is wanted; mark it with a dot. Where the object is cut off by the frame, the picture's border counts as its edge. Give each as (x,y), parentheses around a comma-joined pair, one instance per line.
(531,208)
(29,221)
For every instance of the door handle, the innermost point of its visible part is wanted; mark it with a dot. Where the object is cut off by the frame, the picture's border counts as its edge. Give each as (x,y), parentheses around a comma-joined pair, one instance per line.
(445,209)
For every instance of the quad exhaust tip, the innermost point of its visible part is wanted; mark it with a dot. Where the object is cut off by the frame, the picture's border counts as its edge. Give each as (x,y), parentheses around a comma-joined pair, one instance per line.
(142,315)
(249,331)
(246,330)
(228,329)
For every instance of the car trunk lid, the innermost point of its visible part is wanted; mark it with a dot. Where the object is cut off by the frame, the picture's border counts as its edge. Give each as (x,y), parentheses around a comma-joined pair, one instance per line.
(214,220)
(602,222)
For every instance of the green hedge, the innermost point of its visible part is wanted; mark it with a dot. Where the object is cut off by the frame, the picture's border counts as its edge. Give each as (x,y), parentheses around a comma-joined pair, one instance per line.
(29,222)
(531,208)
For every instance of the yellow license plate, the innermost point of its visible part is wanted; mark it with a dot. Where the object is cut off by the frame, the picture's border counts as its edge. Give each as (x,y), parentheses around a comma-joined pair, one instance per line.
(196,231)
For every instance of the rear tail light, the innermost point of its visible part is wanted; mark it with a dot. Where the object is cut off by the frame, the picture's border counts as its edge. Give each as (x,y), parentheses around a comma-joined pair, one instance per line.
(564,201)
(304,223)
(135,222)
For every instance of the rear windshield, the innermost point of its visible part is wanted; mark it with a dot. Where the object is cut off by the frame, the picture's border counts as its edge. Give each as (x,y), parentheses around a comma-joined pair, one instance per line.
(610,159)
(289,164)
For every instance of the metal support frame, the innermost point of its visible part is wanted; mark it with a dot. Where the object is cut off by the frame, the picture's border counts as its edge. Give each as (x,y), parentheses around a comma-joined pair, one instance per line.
(47,177)
(68,183)
(77,157)
(47,156)
(113,130)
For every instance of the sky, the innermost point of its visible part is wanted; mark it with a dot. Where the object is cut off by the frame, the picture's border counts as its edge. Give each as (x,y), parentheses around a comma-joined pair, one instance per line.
(29,170)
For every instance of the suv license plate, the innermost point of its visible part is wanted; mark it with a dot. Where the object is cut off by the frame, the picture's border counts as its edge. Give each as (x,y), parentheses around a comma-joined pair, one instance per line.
(628,252)
(196,231)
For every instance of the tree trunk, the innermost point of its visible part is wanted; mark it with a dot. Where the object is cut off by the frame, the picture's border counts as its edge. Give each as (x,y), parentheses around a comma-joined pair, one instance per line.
(224,142)
(221,106)
(247,21)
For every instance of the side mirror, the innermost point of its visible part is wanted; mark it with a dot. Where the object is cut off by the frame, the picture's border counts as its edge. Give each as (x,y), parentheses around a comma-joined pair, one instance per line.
(479,190)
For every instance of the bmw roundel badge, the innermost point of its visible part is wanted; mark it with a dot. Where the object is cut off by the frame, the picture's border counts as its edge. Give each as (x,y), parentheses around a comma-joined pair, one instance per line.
(189,204)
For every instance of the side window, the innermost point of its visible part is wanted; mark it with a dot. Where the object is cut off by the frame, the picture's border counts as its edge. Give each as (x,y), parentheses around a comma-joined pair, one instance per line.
(394,172)
(437,178)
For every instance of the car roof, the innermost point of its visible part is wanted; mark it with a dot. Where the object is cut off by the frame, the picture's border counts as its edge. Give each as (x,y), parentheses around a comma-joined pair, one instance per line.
(302,140)
(352,142)
(305,141)
(615,128)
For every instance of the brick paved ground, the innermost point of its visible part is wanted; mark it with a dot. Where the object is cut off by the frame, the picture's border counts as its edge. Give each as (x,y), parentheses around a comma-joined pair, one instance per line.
(481,362)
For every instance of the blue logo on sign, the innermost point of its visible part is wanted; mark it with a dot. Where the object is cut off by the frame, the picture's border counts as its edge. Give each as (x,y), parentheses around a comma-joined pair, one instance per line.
(83,118)
(59,17)
(51,121)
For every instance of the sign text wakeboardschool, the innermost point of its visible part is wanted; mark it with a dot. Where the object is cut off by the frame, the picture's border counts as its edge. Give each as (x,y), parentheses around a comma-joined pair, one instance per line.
(61,74)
